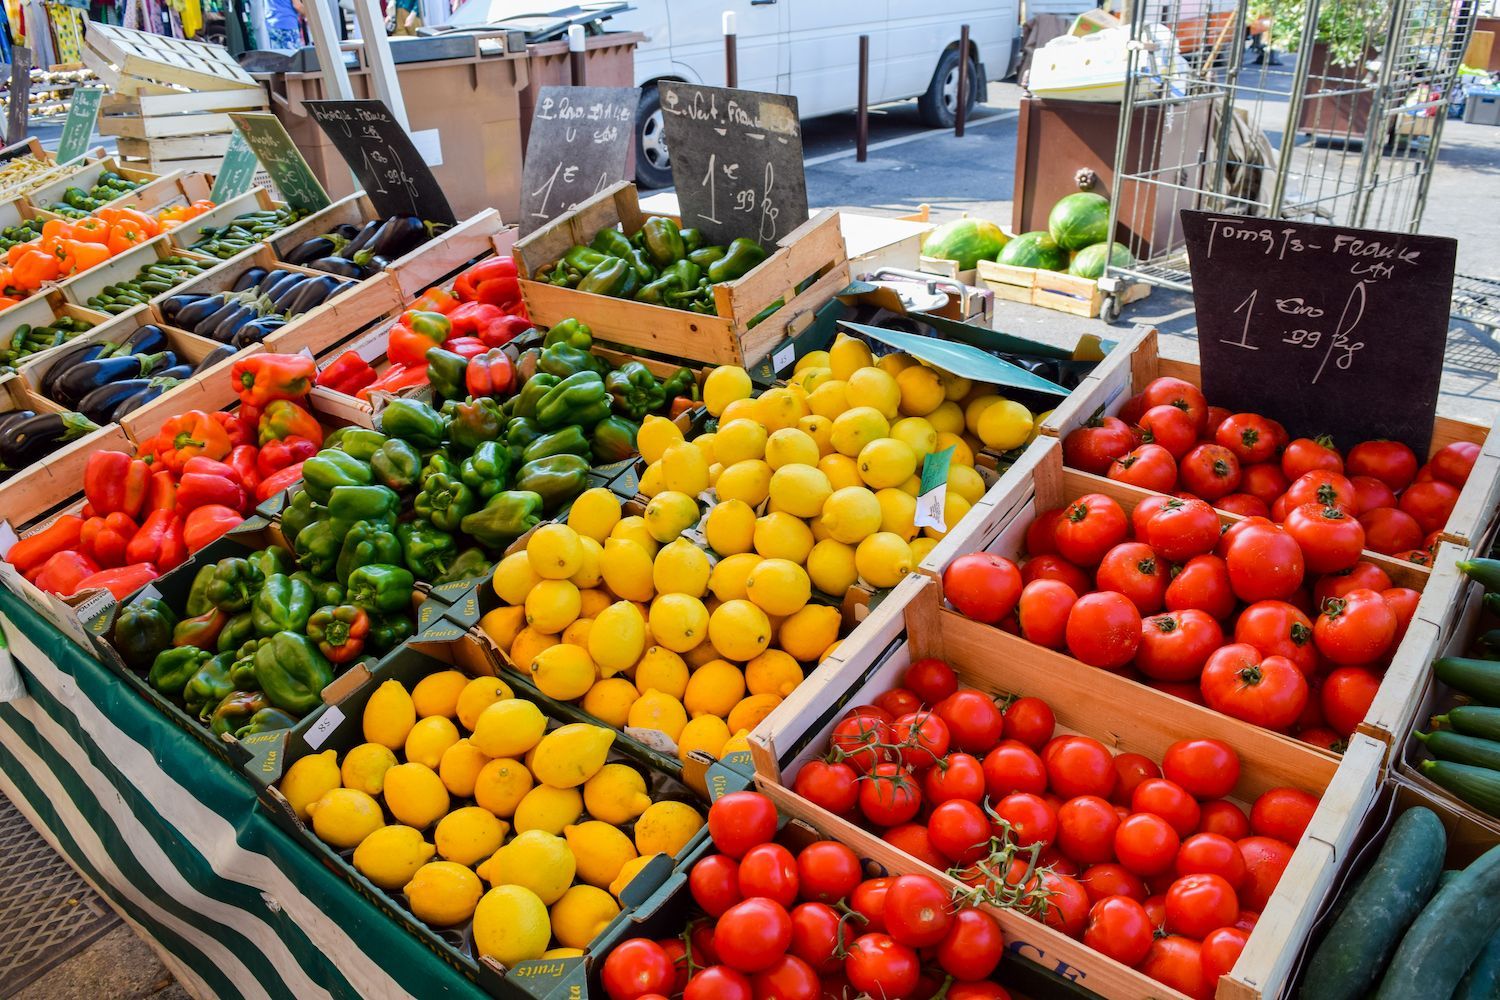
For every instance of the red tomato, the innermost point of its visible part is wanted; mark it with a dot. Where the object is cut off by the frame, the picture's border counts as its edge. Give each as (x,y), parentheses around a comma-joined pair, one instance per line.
(1112,879)
(889,795)
(676,949)
(1208,769)
(1013,767)
(1250,436)
(1156,909)
(1104,630)
(1170,801)
(1151,467)
(635,968)
(1031,819)
(752,935)
(917,911)
(1418,557)
(1220,950)
(1362,575)
(1306,455)
(1119,927)
(960,831)
(1203,583)
(1169,427)
(1346,696)
(1403,601)
(827,871)
(1320,736)
(931,679)
(982,586)
(1322,487)
(1130,770)
(1264,481)
(769,870)
(1133,569)
(1283,813)
(869,711)
(1216,416)
(1209,471)
(1452,463)
(923,738)
(868,900)
(1175,645)
(898,701)
(832,786)
(1265,859)
(1177,962)
(1057,568)
(1370,493)
(1389,530)
(1146,844)
(715,883)
(1039,533)
(700,943)
(816,933)
(972,947)
(1330,537)
(1238,528)
(1066,902)
(1091,526)
(1276,628)
(1264,564)
(1265,691)
(1043,612)
(789,979)
(1247,920)
(976,991)
(879,966)
(741,820)
(1080,766)
(1391,462)
(1430,504)
(1181,529)
(916,840)
(718,982)
(961,778)
(1197,904)
(1144,511)
(1097,443)
(1213,854)
(1355,628)
(1244,505)
(1029,720)
(974,721)
(862,741)
(1086,829)
(1188,398)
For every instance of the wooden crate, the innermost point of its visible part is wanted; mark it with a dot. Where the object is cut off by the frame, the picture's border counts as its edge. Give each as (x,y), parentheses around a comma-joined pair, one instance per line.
(86,177)
(257,199)
(122,267)
(1124,716)
(1136,360)
(43,309)
(1051,289)
(133,61)
(182,131)
(813,249)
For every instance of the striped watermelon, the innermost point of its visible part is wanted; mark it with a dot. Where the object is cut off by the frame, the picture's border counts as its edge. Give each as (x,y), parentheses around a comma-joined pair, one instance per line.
(1089,262)
(966,241)
(1037,250)
(1079,220)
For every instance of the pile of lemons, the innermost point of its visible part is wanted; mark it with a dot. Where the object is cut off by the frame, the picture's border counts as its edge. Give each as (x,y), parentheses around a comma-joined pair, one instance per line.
(545,830)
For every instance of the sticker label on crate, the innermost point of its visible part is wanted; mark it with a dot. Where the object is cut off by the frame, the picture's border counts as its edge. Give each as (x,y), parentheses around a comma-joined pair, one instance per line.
(382,155)
(1330,330)
(579,145)
(268,138)
(78,128)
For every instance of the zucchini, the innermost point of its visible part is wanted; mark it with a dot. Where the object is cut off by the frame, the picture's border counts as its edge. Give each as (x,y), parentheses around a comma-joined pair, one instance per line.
(1485,572)
(1448,935)
(1378,909)
(1472,720)
(1462,749)
(1478,679)
(1482,981)
(1478,786)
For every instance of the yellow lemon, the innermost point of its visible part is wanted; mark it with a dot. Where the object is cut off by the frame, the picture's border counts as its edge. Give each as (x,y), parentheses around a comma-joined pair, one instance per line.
(886,462)
(364,768)
(554,551)
(389,715)
(594,513)
(778,408)
(443,893)
(564,672)
(669,514)
(730,527)
(799,490)
(748,481)
(808,379)
(1004,425)
(478,695)
(508,728)
(343,817)
(658,710)
(634,529)
(895,364)
(1036,424)
(850,514)
(790,446)
(555,953)
(738,743)
(812,359)
(750,711)
(437,694)
(804,636)
(829,399)
(582,914)
(778,586)
(529,642)
(729,575)
(782,536)
(617,794)
(898,511)
(537,860)
(429,739)
(628,872)
(695,658)
(617,638)
(469,835)
(724,385)
(976,407)
(651,482)
(911,487)
(682,568)
(962,453)
(955,387)
(577,634)
(588,575)
(916,434)
(601,851)
(511,925)
(841,470)
(739,441)
(514,578)
(883,559)
(627,569)
(739,630)
(705,444)
(857,427)
(503,624)
(415,795)
(848,355)
(459,769)
(547,808)
(391,855)
(714,689)
(775,671)
(820,430)
(830,567)
(501,785)
(594,599)
(609,701)
(963,480)
(876,389)
(684,470)
(947,418)
(666,827)
(740,409)
(921,548)
(572,754)
(921,390)
(678,621)
(552,606)
(954,509)
(656,435)
(312,777)
(707,733)
(662,669)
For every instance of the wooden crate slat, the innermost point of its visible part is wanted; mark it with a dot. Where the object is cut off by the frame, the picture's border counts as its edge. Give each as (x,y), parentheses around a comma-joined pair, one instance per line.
(243,99)
(166,126)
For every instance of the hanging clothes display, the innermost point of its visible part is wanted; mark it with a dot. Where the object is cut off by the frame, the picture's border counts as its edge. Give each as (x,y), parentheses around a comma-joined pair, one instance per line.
(67,28)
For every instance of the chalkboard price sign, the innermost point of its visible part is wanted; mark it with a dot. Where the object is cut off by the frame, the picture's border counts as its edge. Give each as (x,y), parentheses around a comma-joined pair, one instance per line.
(267,137)
(1330,330)
(579,145)
(736,161)
(237,173)
(381,154)
(78,127)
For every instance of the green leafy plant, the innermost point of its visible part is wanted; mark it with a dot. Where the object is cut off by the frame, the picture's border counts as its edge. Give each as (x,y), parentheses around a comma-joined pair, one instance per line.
(1347,27)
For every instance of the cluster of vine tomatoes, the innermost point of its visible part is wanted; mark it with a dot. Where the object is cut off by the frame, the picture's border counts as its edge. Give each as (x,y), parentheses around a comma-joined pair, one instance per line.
(807,925)
(1169,439)
(1149,864)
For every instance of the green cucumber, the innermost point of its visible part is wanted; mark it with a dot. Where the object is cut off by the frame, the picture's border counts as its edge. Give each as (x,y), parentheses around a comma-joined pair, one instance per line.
(1476,678)
(1482,981)
(1485,572)
(1462,749)
(1478,786)
(1382,904)
(1472,720)
(1448,935)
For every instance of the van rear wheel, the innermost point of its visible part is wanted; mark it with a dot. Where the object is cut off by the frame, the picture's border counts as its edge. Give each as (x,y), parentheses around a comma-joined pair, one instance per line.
(653,164)
(939,106)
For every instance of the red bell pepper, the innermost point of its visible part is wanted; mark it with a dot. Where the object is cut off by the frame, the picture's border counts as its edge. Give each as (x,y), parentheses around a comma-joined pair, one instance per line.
(282,418)
(121,581)
(493,281)
(209,467)
(249,417)
(242,460)
(233,427)
(438,300)
(278,481)
(490,374)
(104,539)
(207,523)
(505,329)
(200,489)
(413,334)
(33,550)
(466,347)
(86,511)
(261,378)
(62,573)
(115,481)
(472,317)
(348,374)
(159,541)
(396,378)
(277,455)
(163,491)
(191,434)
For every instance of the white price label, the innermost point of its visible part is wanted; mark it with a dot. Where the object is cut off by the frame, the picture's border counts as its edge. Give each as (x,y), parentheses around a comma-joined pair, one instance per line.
(317,734)
(784,357)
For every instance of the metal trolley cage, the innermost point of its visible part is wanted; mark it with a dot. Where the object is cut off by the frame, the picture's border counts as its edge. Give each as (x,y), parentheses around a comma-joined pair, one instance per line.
(1338,120)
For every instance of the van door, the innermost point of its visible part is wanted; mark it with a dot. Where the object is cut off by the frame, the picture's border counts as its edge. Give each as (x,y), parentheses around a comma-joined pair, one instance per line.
(760,28)
(823,38)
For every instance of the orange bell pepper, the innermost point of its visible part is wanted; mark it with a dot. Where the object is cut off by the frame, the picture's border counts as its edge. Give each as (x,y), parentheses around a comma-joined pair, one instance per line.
(191,434)
(18,251)
(147,224)
(34,268)
(57,229)
(75,256)
(123,235)
(91,230)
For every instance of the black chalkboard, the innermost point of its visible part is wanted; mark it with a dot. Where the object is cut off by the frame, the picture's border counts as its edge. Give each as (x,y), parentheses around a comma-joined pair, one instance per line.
(579,145)
(1330,330)
(736,161)
(381,154)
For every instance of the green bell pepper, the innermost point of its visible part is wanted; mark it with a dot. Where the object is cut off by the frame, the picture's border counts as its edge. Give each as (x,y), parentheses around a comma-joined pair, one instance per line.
(323,591)
(569,440)
(531,394)
(680,383)
(173,668)
(438,461)
(291,671)
(611,242)
(692,238)
(389,631)
(521,431)
(469,564)
(201,630)
(234,584)
(197,601)
(426,550)
(446,373)
(583,259)
(526,364)
(237,631)
(663,241)
(381,587)
(367,542)
(397,465)
(573,332)
(298,514)
(283,605)
(208,686)
(706,256)
(641,269)
(271,560)
(242,670)
(377,504)
(556,479)
(444,502)
(563,360)
(235,711)
(485,472)
(612,277)
(506,517)
(614,440)
(473,422)
(414,421)
(318,548)
(634,391)
(739,260)
(143,629)
(577,399)
(328,469)
(560,274)
(265,721)
(361,442)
